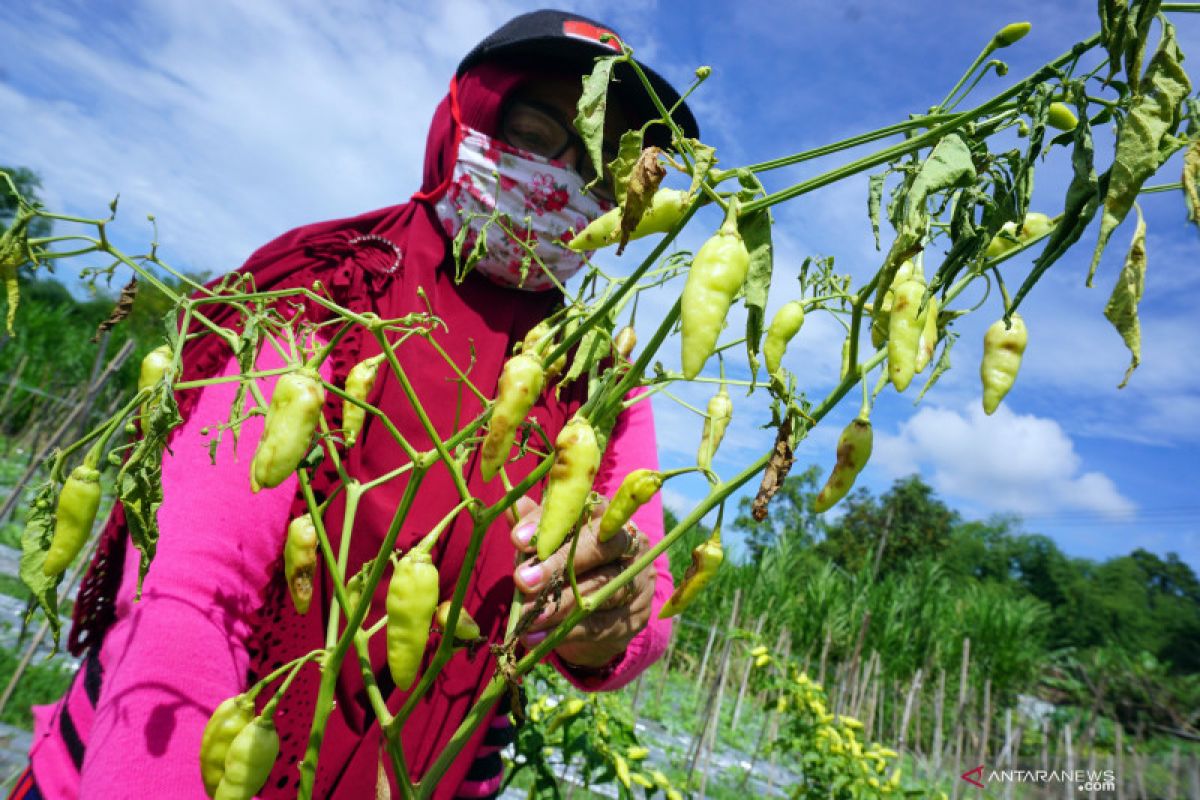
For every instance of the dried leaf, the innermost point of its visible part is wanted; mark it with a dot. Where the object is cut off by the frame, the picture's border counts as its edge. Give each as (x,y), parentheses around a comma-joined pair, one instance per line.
(593,103)
(1122,307)
(1137,30)
(1144,141)
(1191,179)
(644,180)
(121,310)
(628,153)
(776,471)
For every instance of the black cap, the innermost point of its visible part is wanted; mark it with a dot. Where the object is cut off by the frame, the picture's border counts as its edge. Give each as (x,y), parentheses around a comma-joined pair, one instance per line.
(573,40)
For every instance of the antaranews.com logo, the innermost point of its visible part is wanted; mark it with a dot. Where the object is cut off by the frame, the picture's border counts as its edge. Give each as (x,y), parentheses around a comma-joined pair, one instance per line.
(1084,780)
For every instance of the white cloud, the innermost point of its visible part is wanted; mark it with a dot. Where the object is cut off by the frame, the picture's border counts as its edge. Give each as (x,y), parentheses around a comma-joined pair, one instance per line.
(1006,462)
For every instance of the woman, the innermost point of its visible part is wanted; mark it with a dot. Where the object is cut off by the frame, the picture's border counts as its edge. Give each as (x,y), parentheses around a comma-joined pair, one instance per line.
(214,615)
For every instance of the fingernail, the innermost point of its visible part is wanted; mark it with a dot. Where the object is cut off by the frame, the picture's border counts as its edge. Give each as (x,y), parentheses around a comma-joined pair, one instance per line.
(525,533)
(533,639)
(530,575)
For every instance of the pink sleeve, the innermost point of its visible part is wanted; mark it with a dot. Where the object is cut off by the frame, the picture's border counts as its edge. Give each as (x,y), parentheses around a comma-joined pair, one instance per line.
(175,654)
(633,446)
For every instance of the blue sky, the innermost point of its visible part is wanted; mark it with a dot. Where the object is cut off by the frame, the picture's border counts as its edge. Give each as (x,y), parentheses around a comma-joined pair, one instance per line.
(240,122)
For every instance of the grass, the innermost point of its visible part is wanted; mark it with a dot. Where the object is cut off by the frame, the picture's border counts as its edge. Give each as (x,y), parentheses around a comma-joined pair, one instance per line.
(40,684)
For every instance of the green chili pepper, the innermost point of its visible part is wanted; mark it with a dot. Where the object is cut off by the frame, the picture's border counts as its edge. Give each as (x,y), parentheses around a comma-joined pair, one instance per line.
(291,420)
(248,762)
(717,274)
(929,334)
(622,768)
(904,332)
(520,384)
(1061,117)
(783,327)
(359,384)
(154,366)
(300,561)
(720,412)
(854,448)
(412,598)
(635,491)
(576,459)
(1011,34)
(567,711)
(1002,351)
(77,505)
(706,559)
(467,629)
(879,318)
(666,208)
(228,720)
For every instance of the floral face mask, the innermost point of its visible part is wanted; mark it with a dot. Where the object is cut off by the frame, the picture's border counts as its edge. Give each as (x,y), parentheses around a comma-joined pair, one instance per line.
(510,213)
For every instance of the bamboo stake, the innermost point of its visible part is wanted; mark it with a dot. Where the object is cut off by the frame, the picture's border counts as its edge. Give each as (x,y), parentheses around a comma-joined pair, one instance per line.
(666,669)
(71,418)
(709,732)
(1194,791)
(712,634)
(1068,787)
(987,720)
(1091,767)
(913,690)
(12,384)
(1119,747)
(1139,776)
(747,669)
(1173,790)
(959,715)
(825,653)
(938,705)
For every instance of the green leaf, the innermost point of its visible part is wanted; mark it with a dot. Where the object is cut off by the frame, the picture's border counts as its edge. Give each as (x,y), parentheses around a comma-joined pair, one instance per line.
(948,166)
(1082,202)
(755,230)
(874,200)
(35,543)
(1137,30)
(593,103)
(1122,307)
(139,481)
(1142,141)
(940,368)
(706,159)
(593,347)
(628,153)
(1112,32)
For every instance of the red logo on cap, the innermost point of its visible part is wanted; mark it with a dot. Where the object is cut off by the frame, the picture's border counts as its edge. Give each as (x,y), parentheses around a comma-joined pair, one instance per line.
(585,30)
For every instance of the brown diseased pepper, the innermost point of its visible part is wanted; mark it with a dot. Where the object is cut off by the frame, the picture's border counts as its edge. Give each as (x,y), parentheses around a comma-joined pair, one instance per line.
(854,448)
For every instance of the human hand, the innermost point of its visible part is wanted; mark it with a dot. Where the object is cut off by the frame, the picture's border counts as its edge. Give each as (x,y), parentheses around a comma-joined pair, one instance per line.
(604,634)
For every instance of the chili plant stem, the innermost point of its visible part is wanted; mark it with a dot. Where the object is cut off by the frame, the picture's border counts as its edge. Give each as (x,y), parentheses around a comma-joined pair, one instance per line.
(498,685)
(333,663)
(918,142)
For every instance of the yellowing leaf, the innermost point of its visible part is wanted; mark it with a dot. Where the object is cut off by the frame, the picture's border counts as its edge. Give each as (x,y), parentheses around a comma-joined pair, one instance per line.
(1122,307)
(1144,141)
